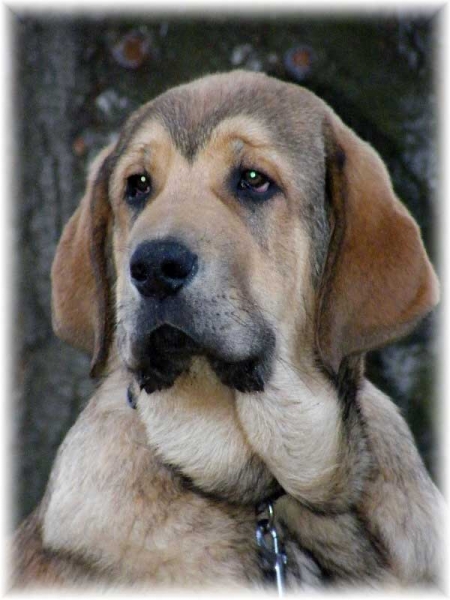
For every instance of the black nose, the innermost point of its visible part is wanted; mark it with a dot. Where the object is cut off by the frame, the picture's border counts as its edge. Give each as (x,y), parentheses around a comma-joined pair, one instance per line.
(162,267)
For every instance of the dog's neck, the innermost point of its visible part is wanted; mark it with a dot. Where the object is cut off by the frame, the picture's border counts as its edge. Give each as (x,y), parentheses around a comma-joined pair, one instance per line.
(302,429)
(232,444)
(194,426)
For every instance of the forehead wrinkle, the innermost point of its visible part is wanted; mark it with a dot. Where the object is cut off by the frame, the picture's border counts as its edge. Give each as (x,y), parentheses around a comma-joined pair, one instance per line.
(245,132)
(189,137)
(191,113)
(192,116)
(137,152)
(242,145)
(238,146)
(149,141)
(243,148)
(138,155)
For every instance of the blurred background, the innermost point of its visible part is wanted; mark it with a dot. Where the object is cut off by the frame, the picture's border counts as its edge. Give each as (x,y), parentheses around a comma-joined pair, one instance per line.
(76,79)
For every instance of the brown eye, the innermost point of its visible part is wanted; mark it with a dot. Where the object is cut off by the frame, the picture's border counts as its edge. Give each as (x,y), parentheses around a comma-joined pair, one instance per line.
(254,181)
(138,187)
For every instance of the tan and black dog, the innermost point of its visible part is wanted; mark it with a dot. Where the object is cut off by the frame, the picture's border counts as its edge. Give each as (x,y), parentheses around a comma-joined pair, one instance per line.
(236,253)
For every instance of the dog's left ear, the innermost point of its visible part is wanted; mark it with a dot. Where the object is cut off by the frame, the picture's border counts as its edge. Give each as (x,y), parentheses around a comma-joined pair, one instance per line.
(81,306)
(377,281)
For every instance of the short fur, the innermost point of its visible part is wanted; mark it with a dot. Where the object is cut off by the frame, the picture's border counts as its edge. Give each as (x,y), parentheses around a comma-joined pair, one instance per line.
(270,398)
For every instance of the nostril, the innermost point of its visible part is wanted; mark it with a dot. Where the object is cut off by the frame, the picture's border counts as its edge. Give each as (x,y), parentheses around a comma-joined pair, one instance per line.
(177,269)
(173,270)
(139,271)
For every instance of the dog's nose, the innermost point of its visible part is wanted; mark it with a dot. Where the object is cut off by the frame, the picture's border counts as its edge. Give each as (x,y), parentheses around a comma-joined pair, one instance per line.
(162,267)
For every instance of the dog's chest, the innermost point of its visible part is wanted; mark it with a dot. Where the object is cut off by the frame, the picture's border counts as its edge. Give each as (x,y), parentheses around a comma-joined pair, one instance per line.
(114,506)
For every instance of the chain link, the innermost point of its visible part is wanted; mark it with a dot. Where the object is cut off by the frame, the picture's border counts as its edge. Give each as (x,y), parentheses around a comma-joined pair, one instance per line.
(271,549)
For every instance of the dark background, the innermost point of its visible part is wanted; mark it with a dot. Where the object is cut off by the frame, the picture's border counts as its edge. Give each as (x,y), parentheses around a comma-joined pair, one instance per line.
(76,80)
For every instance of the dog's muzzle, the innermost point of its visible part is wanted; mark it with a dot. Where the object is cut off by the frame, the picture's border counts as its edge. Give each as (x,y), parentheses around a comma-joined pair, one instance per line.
(175,322)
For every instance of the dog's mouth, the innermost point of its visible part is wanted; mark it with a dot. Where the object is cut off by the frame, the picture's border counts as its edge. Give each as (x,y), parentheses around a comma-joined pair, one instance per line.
(167,353)
(163,357)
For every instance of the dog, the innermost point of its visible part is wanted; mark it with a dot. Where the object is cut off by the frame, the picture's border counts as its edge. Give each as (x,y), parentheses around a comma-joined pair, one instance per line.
(237,252)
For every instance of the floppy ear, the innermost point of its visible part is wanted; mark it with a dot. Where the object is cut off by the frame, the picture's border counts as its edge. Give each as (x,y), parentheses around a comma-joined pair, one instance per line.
(81,306)
(378,281)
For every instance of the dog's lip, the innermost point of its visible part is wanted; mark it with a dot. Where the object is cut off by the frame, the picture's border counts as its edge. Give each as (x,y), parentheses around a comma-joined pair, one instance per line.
(170,315)
(192,345)
(176,339)
(168,350)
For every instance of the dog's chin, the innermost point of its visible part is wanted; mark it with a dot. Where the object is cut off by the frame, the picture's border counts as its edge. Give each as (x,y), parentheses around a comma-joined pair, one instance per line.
(167,353)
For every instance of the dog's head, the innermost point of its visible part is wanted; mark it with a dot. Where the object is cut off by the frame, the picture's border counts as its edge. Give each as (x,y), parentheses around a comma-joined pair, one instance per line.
(235,214)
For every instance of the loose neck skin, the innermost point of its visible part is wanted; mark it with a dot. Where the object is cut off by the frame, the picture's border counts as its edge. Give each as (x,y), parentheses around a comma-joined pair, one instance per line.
(308,436)
(194,427)
(234,445)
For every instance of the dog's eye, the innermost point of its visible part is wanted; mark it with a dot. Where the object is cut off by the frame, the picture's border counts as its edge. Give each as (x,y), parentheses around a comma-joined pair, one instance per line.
(254,181)
(138,188)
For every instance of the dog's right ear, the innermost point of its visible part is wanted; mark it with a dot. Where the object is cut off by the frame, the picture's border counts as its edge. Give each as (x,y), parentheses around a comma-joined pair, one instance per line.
(81,305)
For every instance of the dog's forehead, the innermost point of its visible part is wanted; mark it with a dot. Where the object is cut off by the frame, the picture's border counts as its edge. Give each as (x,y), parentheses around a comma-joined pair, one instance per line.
(191,112)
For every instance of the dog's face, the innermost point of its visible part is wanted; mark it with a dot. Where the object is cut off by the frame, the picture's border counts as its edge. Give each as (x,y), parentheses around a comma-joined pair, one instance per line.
(237,219)
(212,233)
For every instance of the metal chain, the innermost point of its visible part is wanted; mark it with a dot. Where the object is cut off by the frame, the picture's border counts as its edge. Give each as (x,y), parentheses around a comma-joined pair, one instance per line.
(271,549)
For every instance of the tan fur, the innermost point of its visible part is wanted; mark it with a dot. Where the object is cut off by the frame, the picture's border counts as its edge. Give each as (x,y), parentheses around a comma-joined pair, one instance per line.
(165,494)
(378,231)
